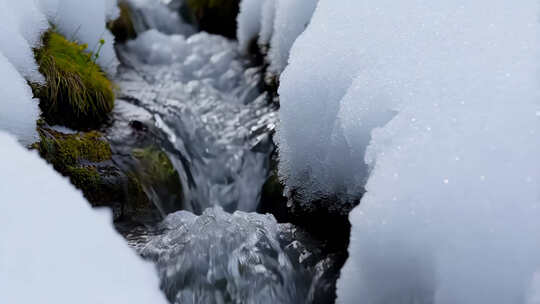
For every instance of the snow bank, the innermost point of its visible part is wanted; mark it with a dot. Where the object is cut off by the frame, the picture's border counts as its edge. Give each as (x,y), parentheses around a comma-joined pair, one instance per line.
(54,248)
(275,24)
(451,210)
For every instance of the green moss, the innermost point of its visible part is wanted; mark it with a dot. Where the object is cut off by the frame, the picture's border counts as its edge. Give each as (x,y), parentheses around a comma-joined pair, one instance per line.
(216,16)
(77,92)
(86,159)
(156,166)
(123,28)
(86,178)
(67,150)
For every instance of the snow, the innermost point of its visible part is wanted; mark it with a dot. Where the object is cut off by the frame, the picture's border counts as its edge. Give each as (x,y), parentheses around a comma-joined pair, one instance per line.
(436,103)
(18,111)
(267,22)
(275,24)
(22,27)
(291,19)
(315,158)
(54,248)
(249,22)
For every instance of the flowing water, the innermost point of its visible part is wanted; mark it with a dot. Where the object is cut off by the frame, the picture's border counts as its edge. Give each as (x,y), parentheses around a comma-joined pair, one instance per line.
(200,100)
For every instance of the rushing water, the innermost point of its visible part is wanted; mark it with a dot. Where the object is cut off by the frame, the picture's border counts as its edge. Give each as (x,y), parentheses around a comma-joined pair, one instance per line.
(200,100)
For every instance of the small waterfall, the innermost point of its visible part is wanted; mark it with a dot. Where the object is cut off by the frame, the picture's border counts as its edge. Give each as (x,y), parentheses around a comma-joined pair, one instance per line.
(199,99)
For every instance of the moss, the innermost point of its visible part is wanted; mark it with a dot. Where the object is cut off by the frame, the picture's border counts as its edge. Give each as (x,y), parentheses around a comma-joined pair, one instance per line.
(77,92)
(123,28)
(216,16)
(86,178)
(138,200)
(156,165)
(86,159)
(67,150)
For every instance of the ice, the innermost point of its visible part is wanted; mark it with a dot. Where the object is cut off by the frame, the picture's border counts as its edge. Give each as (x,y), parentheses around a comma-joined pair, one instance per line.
(275,24)
(291,19)
(54,248)
(249,22)
(267,23)
(315,158)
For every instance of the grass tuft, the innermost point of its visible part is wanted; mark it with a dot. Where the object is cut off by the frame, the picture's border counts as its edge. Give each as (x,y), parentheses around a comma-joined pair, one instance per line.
(77,92)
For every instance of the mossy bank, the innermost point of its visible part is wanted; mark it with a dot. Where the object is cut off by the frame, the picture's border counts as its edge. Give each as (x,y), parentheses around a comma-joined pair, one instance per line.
(87,160)
(77,93)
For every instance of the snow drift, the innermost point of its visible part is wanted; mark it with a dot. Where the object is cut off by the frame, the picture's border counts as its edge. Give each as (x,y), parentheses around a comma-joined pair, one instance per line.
(54,248)
(443,96)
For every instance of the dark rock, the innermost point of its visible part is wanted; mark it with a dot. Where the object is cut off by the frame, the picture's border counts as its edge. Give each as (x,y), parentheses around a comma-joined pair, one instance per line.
(214,16)
(138,125)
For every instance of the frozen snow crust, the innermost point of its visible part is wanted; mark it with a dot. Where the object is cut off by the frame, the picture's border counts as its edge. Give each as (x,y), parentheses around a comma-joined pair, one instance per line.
(435,105)
(274,25)
(54,248)
(23,23)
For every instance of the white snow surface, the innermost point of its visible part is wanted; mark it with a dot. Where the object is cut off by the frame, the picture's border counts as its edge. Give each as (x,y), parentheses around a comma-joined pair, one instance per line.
(275,24)
(315,158)
(54,248)
(249,22)
(18,111)
(23,23)
(291,19)
(437,104)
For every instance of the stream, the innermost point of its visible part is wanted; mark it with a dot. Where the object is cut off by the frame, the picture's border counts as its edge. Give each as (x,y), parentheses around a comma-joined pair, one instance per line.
(200,100)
